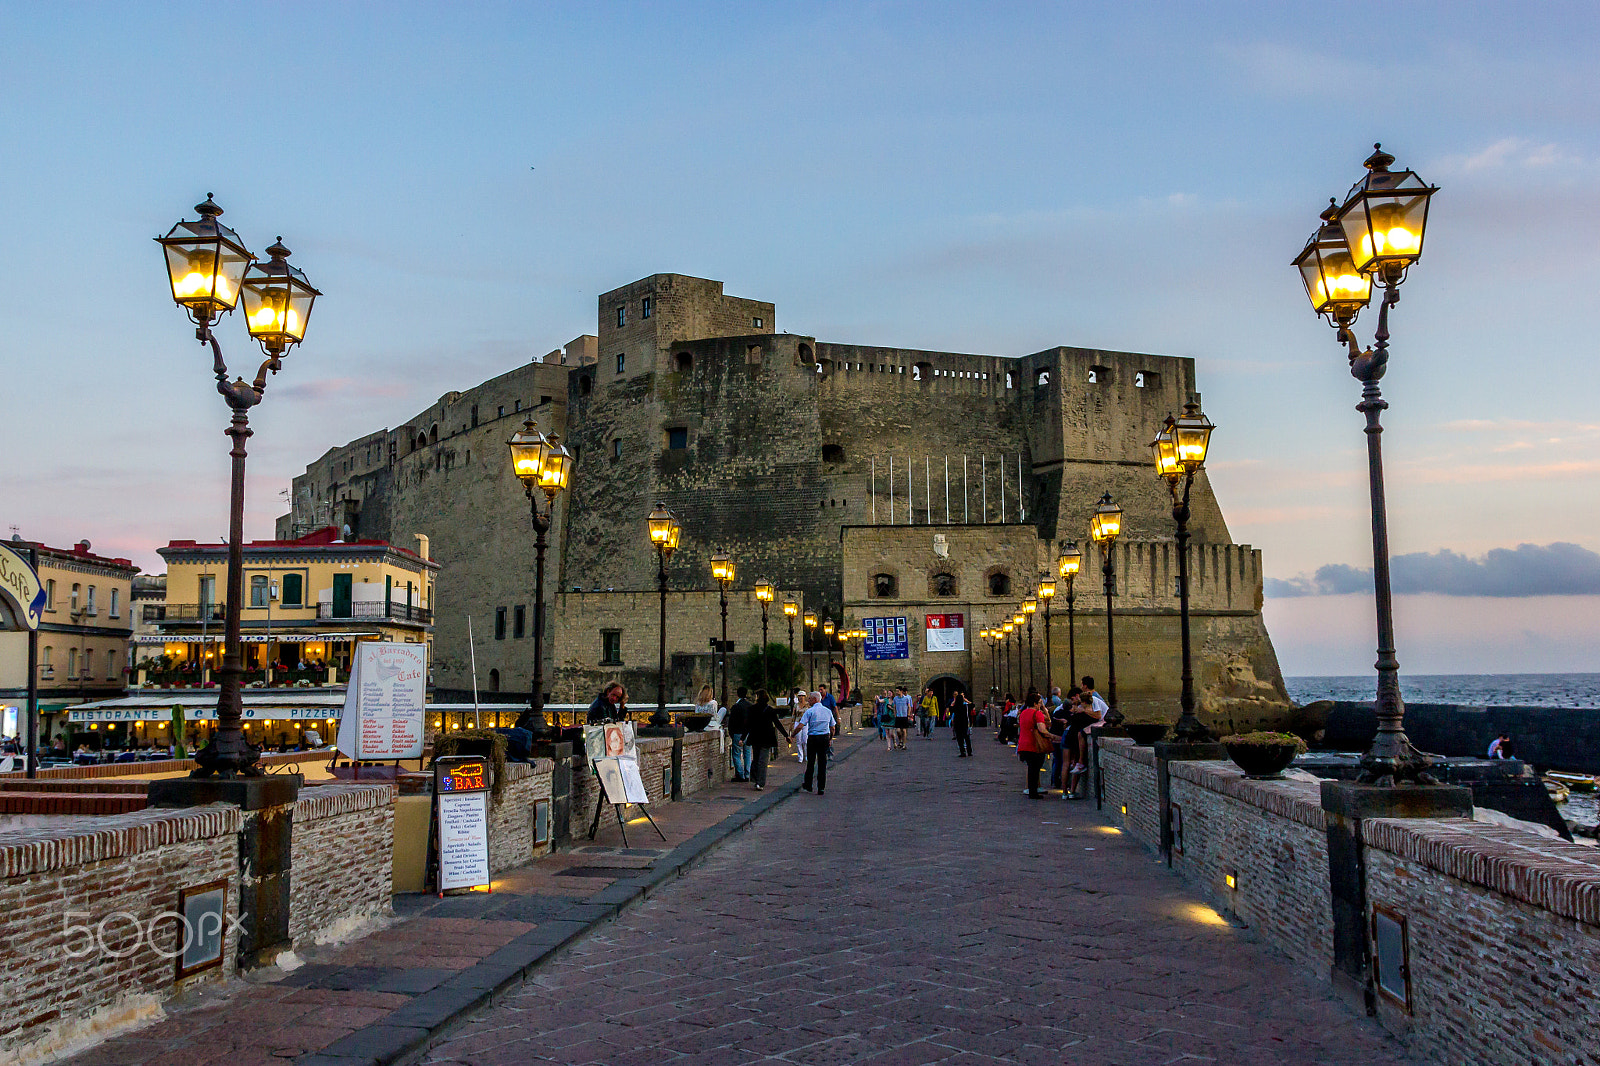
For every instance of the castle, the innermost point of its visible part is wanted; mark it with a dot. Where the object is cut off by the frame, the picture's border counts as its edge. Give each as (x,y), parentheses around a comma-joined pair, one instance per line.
(863,481)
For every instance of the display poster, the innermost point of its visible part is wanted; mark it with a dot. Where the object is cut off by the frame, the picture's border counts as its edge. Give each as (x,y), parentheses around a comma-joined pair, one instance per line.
(886,638)
(621,779)
(613,739)
(461,793)
(946,632)
(384,705)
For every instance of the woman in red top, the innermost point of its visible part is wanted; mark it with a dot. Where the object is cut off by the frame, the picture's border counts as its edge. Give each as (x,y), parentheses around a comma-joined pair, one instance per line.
(1034,739)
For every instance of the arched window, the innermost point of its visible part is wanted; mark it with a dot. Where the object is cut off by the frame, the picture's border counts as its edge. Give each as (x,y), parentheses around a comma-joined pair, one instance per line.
(1008,379)
(999,583)
(884,586)
(585,385)
(942,584)
(684,361)
(494,681)
(433,434)
(832,453)
(1042,378)
(804,355)
(922,372)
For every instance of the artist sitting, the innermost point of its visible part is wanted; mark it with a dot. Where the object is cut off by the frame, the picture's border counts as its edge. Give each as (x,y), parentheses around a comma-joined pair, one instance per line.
(610,705)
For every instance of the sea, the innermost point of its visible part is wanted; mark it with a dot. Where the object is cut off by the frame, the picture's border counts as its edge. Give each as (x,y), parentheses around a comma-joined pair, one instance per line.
(1467,690)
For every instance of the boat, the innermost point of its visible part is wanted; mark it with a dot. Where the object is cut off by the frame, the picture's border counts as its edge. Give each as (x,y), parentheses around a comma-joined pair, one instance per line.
(1574,782)
(1558,791)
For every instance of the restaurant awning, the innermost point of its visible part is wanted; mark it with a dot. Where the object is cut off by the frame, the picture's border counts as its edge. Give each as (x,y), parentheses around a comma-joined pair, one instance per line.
(252,638)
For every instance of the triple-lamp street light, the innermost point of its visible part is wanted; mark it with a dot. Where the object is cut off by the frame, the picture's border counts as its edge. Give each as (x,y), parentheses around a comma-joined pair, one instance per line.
(1180,454)
(210,270)
(1105,525)
(722,570)
(764,594)
(543,463)
(1067,566)
(1376,234)
(665,532)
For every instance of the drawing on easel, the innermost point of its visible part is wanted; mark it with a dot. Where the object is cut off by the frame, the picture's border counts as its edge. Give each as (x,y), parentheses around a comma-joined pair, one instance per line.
(613,740)
(621,780)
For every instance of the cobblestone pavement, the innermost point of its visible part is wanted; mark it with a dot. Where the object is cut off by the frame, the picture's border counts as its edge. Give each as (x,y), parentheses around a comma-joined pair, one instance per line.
(922,911)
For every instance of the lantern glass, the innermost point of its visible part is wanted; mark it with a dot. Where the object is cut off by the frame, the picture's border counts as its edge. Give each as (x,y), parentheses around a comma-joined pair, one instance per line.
(1333,284)
(1017,619)
(1047,588)
(557,468)
(1385,215)
(827,628)
(1192,435)
(1106,525)
(1008,628)
(277,301)
(764,590)
(811,619)
(1071,560)
(529,449)
(1165,450)
(722,567)
(791,608)
(1030,605)
(206,262)
(660,523)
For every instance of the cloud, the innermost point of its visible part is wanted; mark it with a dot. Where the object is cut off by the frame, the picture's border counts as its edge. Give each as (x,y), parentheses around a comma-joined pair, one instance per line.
(1558,569)
(1508,152)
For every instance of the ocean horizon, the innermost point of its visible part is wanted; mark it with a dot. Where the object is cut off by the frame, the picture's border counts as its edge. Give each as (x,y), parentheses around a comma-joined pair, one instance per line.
(1467,690)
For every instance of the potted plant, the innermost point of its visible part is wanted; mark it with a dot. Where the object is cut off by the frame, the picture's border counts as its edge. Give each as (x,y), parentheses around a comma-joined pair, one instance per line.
(1145,734)
(1263,755)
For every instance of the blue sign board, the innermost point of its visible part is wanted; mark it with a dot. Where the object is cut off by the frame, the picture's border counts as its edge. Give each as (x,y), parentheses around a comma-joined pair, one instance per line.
(886,638)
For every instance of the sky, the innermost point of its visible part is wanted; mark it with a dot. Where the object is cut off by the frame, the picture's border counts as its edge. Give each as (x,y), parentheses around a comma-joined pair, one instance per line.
(461,181)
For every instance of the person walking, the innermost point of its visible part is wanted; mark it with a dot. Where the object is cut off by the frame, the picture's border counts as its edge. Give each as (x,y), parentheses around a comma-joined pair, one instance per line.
(1034,740)
(765,726)
(738,726)
(961,723)
(886,719)
(816,726)
(926,710)
(902,716)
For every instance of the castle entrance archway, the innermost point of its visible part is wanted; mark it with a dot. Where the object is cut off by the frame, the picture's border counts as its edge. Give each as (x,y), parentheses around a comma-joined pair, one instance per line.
(944,686)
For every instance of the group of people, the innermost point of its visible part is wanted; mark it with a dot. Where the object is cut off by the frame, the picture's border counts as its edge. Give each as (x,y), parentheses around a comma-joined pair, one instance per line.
(1058,727)
(755,726)
(895,710)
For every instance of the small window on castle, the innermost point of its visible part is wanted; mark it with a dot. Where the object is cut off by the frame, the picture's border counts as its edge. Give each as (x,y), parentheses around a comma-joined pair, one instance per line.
(647,307)
(1147,379)
(494,681)
(519,621)
(474,414)
(752,355)
(684,362)
(1042,378)
(622,362)
(943,584)
(585,385)
(1000,584)
(622,316)
(499,623)
(922,372)
(1008,379)
(832,453)
(1099,375)
(616,448)
(884,585)
(500,412)
(677,438)
(519,405)
(611,647)
(759,323)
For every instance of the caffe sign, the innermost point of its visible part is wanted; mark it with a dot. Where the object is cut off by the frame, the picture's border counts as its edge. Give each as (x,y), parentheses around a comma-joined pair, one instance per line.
(21,592)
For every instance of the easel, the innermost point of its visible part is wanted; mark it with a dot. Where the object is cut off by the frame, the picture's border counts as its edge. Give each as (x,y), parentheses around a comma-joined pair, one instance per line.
(600,806)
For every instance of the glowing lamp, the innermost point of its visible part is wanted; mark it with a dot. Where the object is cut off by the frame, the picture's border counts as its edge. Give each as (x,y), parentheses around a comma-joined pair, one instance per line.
(764,590)
(1164,449)
(1333,284)
(1047,588)
(1008,628)
(557,470)
(827,628)
(722,567)
(1030,605)
(206,262)
(277,301)
(664,529)
(810,619)
(1071,560)
(1017,619)
(1384,217)
(1191,433)
(791,608)
(1106,523)
(529,448)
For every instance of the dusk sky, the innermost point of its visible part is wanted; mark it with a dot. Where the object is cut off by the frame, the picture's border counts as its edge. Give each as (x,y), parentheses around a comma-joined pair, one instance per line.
(461,181)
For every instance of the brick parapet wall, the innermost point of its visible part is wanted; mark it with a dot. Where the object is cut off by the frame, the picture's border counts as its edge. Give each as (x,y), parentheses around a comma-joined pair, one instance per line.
(155,766)
(119,869)
(341,859)
(706,762)
(511,817)
(1128,774)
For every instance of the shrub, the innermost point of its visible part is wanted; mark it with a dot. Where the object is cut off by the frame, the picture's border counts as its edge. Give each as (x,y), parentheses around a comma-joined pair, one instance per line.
(1267,740)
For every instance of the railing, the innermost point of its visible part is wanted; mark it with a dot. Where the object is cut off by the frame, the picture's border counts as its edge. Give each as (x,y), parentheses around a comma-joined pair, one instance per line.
(193,612)
(399,612)
(155,612)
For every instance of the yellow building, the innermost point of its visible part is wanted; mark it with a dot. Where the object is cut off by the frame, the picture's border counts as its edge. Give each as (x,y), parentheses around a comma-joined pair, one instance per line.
(83,638)
(307,602)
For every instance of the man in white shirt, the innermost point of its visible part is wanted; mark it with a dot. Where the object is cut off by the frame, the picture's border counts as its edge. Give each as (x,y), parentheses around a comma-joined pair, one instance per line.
(816,725)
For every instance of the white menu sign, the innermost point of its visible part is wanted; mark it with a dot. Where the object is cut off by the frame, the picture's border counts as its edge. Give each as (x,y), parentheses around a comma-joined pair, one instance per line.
(463,840)
(384,704)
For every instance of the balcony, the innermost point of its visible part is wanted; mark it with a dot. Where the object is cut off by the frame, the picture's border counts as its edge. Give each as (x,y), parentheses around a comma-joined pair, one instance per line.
(369,609)
(193,612)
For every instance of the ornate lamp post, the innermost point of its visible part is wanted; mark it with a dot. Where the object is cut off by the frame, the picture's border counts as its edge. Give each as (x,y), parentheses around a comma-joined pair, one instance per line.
(810,621)
(1105,526)
(1047,592)
(764,594)
(827,648)
(1006,630)
(1071,559)
(790,609)
(664,535)
(209,270)
(543,464)
(1030,607)
(1376,234)
(1180,453)
(722,570)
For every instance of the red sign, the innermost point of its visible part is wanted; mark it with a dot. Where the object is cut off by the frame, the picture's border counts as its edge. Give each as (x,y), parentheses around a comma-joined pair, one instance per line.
(946,621)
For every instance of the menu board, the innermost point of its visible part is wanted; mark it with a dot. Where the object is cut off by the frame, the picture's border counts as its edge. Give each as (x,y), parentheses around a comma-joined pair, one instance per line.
(384,703)
(461,794)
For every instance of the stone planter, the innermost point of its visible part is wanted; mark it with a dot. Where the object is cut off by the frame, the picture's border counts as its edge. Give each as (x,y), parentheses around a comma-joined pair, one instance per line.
(694,723)
(1146,734)
(1265,761)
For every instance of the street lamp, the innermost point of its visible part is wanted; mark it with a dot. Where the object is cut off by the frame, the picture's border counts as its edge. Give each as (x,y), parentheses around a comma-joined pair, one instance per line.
(665,533)
(1105,525)
(208,269)
(1180,453)
(1382,222)
(764,594)
(810,620)
(1029,607)
(790,609)
(541,463)
(722,570)
(1067,566)
(1007,676)
(827,648)
(1047,592)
